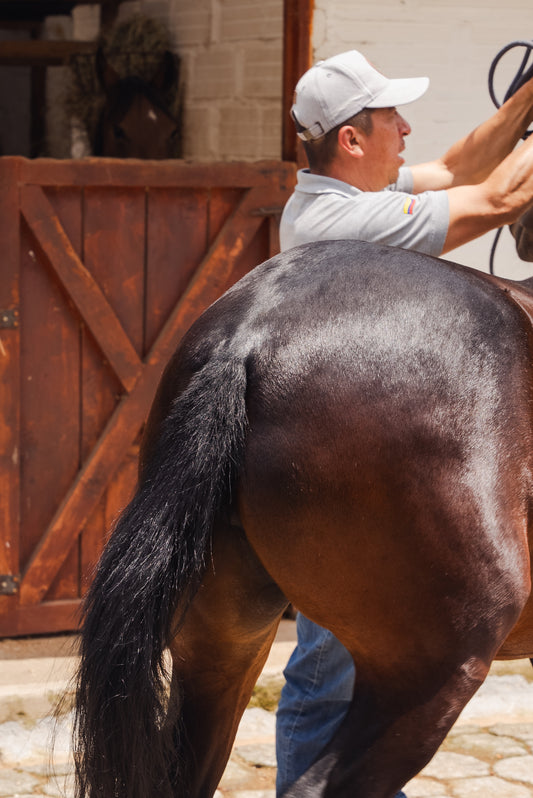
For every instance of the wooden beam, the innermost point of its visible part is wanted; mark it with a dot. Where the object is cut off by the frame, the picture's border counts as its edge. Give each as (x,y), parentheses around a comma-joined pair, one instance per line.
(49,617)
(41,53)
(297,27)
(130,172)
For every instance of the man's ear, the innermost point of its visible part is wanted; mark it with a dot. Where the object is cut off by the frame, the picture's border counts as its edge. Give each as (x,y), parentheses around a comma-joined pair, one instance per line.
(351,140)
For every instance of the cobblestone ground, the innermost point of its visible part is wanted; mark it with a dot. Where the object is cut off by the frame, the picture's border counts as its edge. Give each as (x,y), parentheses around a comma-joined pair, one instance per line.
(485,761)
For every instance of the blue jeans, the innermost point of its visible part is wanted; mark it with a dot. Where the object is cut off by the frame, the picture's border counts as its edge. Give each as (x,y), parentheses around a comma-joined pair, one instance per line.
(319,684)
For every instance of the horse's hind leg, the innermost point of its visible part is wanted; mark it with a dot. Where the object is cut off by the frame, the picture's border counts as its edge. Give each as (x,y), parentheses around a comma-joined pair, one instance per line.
(422,599)
(386,738)
(217,656)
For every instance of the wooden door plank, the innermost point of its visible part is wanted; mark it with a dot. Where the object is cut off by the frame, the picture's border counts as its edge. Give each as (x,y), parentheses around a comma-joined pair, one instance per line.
(50,417)
(45,618)
(156,174)
(176,242)
(114,254)
(9,377)
(68,203)
(206,286)
(79,285)
(114,242)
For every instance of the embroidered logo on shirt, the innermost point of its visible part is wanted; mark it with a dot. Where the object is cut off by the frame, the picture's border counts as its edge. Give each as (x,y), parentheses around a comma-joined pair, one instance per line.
(409,206)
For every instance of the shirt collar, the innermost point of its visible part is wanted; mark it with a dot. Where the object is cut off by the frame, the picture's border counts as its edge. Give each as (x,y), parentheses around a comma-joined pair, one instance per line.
(309,183)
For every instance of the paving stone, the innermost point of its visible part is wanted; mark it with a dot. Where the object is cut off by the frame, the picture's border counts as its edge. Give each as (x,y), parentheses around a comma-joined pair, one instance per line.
(523,731)
(485,745)
(258,755)
(62,787)
(518,768)
(257,724)
(50,769)
(489,788)
(464,728)
(21,743)
(448,765)
(12,782)
(254,794)
(501,696)
(420,786)
(235,776)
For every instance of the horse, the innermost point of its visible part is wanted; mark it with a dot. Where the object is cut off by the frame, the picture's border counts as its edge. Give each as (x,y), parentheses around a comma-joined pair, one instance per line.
(349,429)
(522,231)
(135,121)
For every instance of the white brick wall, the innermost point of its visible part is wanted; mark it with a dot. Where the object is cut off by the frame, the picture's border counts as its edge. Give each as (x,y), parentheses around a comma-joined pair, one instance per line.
(451,41)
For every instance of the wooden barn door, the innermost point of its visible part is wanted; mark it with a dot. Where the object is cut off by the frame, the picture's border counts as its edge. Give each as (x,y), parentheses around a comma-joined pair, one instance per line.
(104,266)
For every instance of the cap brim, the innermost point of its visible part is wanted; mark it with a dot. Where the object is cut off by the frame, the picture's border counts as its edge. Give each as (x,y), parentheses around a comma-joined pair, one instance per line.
(400,91)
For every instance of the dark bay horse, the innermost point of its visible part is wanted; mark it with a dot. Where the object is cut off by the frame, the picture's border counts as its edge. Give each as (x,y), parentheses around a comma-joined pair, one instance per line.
(135,121)
(522,230)
(349,428)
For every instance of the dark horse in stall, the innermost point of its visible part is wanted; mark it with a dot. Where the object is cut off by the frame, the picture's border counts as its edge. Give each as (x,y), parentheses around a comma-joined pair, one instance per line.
(349,428)
(135,121)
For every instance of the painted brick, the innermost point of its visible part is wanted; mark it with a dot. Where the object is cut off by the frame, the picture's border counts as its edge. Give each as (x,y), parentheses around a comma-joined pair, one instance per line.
(214,74)
(201,125)
(271,131)
(249,19)
(263,71)
(85,22)
(240,126)
(190,23)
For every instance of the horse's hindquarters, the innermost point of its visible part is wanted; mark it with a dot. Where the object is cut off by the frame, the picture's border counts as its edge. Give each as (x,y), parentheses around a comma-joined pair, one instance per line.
(386,491)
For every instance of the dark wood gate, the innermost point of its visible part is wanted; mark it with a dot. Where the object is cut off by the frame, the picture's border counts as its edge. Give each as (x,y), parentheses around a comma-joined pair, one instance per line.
(104,265)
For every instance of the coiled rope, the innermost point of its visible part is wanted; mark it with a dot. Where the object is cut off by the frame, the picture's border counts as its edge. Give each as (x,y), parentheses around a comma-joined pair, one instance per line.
(523,74)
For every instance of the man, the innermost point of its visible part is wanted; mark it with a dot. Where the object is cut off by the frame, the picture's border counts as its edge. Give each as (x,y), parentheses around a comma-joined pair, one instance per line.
(356,186)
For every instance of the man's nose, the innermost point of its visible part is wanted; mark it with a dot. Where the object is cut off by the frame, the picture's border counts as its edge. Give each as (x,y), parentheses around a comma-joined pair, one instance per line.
(403,126)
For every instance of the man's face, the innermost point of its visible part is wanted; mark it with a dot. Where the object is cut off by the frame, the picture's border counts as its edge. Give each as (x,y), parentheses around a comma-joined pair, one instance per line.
(384,145)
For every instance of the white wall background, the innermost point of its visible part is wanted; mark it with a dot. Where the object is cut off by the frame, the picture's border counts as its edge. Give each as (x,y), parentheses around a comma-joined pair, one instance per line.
(451,41)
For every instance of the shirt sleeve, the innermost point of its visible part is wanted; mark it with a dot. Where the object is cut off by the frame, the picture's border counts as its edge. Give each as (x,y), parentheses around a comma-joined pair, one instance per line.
(405,180)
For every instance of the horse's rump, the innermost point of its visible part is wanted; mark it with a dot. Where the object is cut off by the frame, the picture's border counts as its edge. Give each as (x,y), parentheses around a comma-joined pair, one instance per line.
(358,418)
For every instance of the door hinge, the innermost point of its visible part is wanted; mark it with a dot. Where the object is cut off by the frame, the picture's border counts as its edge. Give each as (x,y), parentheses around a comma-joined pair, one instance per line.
(9,318)
(9,584)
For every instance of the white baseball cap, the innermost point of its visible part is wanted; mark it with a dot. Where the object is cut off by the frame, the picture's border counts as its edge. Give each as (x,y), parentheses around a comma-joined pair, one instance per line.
(336,89)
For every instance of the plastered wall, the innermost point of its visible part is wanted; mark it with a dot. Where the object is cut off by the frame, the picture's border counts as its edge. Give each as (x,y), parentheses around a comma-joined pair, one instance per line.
(451,41)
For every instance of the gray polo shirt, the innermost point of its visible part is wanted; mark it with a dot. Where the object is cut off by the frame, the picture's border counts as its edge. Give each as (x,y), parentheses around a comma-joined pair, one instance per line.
(322,208)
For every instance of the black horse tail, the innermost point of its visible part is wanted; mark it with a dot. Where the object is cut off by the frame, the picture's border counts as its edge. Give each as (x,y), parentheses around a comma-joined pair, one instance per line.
(149,572)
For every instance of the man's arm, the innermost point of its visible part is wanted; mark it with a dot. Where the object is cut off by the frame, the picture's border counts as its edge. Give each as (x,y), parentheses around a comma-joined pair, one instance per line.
(500,199)
(472,159)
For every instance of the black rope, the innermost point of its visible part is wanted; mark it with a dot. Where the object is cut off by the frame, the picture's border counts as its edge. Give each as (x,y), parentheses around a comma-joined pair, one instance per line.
(523,74)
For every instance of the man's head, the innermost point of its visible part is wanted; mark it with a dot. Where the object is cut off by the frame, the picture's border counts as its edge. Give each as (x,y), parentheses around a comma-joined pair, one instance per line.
(344,90)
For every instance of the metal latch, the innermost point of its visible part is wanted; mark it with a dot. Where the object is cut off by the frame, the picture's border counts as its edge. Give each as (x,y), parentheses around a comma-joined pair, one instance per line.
(9,318)
(9,584)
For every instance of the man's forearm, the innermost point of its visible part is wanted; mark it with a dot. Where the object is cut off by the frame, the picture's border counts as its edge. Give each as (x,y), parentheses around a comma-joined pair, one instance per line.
(474,157)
